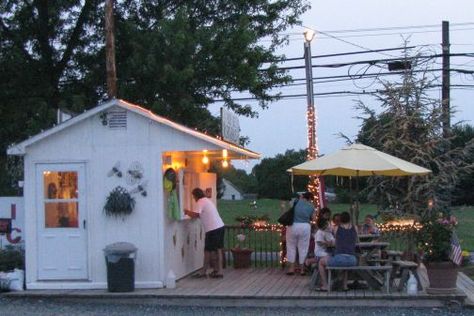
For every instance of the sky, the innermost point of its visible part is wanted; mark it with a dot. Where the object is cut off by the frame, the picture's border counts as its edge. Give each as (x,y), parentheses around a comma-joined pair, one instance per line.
(283,125)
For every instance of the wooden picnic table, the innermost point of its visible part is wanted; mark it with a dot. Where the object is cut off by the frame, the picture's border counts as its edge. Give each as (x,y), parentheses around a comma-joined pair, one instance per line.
(368,237)
(369,250)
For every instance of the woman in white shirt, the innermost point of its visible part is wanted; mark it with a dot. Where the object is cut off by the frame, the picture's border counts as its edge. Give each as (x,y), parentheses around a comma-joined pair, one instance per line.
(214,228)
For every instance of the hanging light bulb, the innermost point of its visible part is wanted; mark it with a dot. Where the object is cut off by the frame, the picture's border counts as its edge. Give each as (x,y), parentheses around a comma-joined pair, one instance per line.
(225,163)
(205,159)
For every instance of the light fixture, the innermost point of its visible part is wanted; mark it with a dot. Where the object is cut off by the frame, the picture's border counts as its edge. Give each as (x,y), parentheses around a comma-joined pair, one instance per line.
(205,159)
(225,163)
(224,153)
(308,35)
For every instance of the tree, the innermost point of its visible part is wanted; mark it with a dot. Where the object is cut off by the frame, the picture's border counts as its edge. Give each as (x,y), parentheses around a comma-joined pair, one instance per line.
(173,57)
(247,183)
(462,135)
(273,179)
(46,55)
(410,127)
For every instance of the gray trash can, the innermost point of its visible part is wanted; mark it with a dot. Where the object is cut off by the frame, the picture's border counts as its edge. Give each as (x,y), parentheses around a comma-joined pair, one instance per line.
(120,260)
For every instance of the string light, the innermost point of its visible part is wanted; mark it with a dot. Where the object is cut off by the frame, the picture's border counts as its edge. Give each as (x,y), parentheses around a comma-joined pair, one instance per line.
(225,163)
(313,183)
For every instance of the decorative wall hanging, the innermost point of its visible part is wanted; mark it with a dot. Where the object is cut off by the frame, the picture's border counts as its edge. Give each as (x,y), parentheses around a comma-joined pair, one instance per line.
(135,173)
(141,188)
(170,181)
(115,170)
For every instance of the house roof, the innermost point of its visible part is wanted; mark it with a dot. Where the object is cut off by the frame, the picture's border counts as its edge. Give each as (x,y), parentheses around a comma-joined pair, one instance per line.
(227,182)
(20,148)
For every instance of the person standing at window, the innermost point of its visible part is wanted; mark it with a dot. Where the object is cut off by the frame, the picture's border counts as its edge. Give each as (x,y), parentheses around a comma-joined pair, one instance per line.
(214,228)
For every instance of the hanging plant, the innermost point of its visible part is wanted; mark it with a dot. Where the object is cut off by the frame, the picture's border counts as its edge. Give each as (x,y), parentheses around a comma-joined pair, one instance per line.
(119,203)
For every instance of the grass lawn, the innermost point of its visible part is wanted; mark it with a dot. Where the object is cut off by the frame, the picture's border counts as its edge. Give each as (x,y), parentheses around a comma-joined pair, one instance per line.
(229,210)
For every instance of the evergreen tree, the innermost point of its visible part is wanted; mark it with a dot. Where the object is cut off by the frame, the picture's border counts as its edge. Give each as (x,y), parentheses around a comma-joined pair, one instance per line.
(410,127)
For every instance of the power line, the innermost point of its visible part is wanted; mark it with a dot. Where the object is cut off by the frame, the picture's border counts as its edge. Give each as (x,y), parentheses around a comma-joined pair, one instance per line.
(349,53)
(373,61)
(375,29)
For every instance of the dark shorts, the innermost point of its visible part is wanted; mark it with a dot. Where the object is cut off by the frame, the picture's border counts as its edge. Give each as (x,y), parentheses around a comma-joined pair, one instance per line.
(214,239)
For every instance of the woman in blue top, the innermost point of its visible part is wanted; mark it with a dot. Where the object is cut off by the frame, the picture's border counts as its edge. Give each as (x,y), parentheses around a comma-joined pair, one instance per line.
(345,252)
(298,234)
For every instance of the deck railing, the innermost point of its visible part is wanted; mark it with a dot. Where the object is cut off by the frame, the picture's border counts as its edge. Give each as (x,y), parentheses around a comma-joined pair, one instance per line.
(265,244)
(268,245)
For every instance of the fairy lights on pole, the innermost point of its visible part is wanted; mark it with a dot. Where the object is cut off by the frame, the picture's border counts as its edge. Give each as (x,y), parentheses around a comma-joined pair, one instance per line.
(311,116)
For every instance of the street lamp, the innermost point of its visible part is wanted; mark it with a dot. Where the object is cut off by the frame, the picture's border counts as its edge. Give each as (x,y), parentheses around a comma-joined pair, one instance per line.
(313,183)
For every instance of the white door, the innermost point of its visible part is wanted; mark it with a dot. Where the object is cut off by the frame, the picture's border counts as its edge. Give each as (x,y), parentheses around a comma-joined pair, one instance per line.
(62,238)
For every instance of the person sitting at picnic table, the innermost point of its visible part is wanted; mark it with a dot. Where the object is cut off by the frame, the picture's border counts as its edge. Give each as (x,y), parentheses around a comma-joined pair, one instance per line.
(345,252)
(369,227)
(299,234)
(336,220)
(325,213)
(323,240)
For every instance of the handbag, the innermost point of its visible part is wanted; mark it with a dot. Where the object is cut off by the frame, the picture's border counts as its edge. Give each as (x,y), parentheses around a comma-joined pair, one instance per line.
(286,219)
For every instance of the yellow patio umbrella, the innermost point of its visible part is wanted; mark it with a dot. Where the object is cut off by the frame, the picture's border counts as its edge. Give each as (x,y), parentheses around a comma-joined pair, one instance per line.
(358,160)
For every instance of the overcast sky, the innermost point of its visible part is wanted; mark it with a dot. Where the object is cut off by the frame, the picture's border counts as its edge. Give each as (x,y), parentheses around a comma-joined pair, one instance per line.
(283,125)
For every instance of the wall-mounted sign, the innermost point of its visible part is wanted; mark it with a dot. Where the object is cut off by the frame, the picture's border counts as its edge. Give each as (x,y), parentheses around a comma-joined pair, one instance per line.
(230,127)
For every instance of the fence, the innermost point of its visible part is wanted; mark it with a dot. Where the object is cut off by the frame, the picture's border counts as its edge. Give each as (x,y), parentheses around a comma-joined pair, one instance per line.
(265,243)
(268,245)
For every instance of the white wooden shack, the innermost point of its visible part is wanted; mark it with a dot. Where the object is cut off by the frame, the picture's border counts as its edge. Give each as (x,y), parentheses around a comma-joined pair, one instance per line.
(70,169)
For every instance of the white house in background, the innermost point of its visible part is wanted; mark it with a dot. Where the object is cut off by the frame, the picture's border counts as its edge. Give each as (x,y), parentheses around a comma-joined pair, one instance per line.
(71,168)
(231,192)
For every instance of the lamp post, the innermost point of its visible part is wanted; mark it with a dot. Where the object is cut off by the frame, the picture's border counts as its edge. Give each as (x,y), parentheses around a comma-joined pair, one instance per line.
(313,183)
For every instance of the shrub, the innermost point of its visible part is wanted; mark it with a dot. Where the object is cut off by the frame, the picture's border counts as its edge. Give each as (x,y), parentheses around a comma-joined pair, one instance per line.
(11,258)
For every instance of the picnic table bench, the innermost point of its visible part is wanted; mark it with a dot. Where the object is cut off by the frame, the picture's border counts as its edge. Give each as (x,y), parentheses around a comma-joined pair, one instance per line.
(367,273)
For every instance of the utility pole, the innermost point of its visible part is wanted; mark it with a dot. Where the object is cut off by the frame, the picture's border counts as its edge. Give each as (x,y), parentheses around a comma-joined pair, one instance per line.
(313,183)
(110,49)
(446,82)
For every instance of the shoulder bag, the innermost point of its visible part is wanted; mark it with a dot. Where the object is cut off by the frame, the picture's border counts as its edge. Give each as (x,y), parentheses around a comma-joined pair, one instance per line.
(286,219)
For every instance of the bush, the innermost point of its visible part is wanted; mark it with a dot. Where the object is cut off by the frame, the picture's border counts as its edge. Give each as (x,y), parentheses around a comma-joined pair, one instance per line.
(11,258)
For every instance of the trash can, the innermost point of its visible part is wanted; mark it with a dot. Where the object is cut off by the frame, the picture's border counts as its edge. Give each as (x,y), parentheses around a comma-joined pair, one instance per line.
(120,260)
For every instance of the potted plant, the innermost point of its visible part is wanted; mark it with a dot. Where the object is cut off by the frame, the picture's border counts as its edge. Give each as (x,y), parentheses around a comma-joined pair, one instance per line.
(240,255)
(119,203)
(436,240)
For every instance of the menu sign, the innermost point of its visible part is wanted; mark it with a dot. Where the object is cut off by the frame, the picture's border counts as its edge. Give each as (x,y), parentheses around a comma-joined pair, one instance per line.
(230,127)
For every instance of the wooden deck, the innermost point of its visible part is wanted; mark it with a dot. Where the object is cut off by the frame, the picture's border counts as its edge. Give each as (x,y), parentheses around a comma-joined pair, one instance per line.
(264,287)
(267,283)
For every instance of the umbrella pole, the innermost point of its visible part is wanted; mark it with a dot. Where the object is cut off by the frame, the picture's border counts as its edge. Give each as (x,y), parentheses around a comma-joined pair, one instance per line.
(352,200)
(357,199)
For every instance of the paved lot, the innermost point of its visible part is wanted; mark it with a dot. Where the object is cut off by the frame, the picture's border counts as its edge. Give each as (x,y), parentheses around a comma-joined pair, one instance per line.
(40,307)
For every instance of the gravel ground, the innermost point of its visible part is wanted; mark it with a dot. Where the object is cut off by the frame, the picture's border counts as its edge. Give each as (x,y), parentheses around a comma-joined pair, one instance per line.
(40,307)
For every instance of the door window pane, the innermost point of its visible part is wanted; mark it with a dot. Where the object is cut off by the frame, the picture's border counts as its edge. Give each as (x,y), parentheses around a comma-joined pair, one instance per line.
(60,185)
(61,199)
(61,214)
